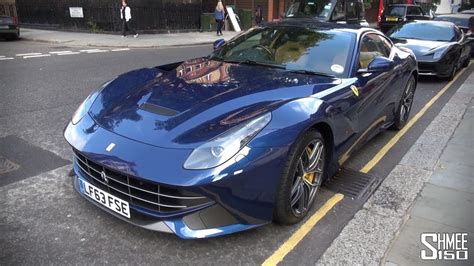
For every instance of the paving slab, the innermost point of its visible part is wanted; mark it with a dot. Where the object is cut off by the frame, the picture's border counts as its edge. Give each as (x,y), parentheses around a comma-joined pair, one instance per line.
(446,206)
(454,175)
(408,244)
(362,237)
(399,190)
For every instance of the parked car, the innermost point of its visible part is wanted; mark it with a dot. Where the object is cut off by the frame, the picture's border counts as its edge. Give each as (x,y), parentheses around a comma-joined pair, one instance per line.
(9,28)
(243,137)
(340,11)
(468,11)
(441,48)
(465,22)
(396,14)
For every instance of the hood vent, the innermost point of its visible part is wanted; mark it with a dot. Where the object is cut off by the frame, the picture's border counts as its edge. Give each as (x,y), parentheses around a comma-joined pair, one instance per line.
(160,110)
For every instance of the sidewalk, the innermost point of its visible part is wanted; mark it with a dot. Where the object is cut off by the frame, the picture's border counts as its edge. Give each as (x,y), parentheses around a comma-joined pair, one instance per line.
(431,190)
(446,203)
(111,40)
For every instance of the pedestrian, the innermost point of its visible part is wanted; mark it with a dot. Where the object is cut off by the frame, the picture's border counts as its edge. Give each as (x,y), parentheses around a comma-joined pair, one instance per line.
(219,15)
(126,16)
(258,15)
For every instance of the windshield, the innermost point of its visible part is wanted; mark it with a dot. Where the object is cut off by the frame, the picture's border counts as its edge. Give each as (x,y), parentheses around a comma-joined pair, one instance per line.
(293,49)
(310,8)
(460,21)
(395,11)
(423,31)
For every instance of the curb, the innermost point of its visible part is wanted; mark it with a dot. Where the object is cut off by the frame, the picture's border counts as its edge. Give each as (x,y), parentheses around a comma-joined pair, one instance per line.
(71,43)
(367,237)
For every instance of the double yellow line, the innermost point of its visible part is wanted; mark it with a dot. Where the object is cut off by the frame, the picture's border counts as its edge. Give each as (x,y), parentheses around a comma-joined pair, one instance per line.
(297,236)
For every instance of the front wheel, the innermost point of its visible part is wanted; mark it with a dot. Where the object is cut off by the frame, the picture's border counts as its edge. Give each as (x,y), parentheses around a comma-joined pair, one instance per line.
(406,102)
(301,179)
(465,63)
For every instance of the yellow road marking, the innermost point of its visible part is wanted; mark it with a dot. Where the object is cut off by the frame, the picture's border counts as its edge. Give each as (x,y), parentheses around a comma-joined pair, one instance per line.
(372,163)
(294,239)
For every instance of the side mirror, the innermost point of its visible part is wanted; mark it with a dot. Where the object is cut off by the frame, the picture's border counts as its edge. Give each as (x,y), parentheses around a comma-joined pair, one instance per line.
(380,64)
(218,44)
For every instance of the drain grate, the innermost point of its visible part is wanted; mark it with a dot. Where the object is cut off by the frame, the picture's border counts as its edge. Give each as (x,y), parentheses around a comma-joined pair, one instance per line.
(7,166)
(353,184)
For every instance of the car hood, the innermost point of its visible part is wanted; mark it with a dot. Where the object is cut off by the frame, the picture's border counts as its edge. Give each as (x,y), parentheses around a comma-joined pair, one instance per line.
(422,47)
(188,103)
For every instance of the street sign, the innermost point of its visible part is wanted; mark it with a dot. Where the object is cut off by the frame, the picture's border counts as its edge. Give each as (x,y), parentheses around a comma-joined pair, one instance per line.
(76,12)
(233,19)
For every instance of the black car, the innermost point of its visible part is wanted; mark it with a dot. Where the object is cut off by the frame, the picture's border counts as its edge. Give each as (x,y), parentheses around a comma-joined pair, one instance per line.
(396,14)
(9,28)
(340,11)
(465,22)
(441,48)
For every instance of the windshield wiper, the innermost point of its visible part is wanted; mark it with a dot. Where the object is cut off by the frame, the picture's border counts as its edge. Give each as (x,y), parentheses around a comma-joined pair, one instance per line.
(309,72)
(214,57)
(253,62)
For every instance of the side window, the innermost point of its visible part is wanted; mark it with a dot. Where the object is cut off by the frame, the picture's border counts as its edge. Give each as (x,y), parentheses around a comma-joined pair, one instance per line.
(386,45)
(372,45)
(414,11)
(339,12)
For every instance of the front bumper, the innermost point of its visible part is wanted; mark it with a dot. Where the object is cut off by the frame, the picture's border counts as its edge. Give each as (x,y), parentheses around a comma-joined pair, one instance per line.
(8,29)
(241,191)
(439,68)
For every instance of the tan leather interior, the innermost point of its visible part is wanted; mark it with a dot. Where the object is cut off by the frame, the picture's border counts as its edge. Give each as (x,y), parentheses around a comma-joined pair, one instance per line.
(288,52)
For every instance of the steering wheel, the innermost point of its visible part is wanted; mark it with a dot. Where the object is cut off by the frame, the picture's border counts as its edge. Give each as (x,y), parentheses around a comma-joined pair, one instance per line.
(266,49)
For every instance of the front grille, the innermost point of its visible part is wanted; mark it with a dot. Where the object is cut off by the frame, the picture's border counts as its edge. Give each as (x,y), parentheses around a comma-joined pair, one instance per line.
(140,193)
(426,67)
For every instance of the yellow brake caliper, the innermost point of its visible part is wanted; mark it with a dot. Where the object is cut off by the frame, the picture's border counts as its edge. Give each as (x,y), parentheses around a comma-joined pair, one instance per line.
(309,176)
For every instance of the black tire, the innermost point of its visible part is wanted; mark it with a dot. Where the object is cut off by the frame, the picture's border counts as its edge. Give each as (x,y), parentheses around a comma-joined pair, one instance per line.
(466,61)
(284,212)
(453,72)
(404,107)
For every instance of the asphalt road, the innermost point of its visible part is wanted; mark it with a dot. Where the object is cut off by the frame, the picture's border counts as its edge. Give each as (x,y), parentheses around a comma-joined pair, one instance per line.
(42,220)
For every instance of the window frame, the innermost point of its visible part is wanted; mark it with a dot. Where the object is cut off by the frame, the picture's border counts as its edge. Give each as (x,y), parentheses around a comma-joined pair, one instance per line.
(361,40)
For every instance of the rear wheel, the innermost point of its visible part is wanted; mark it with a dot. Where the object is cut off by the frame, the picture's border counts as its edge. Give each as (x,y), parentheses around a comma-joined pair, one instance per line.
(301,180)
(406,102)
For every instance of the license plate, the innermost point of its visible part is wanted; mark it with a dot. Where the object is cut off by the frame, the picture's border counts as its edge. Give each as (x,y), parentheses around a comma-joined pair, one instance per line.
(3,27)
(392,19)
(110,201)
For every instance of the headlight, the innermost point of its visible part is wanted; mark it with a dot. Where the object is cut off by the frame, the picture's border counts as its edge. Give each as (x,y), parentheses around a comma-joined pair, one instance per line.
(438,54)
(226,145)
(86,104)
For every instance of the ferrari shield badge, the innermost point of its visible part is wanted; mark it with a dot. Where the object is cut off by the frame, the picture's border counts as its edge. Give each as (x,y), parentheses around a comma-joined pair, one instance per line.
(355,90)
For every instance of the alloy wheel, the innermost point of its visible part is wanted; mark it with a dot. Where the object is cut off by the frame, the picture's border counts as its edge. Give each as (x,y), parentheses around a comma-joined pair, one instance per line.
(407,101)
(308,177)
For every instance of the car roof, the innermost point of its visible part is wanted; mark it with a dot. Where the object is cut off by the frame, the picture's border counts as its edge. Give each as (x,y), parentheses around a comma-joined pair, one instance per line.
(457,15)
(316,24)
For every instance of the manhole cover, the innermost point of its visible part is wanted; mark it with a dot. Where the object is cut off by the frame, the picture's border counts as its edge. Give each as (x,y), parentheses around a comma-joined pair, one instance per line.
(353,184)
(7,165)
